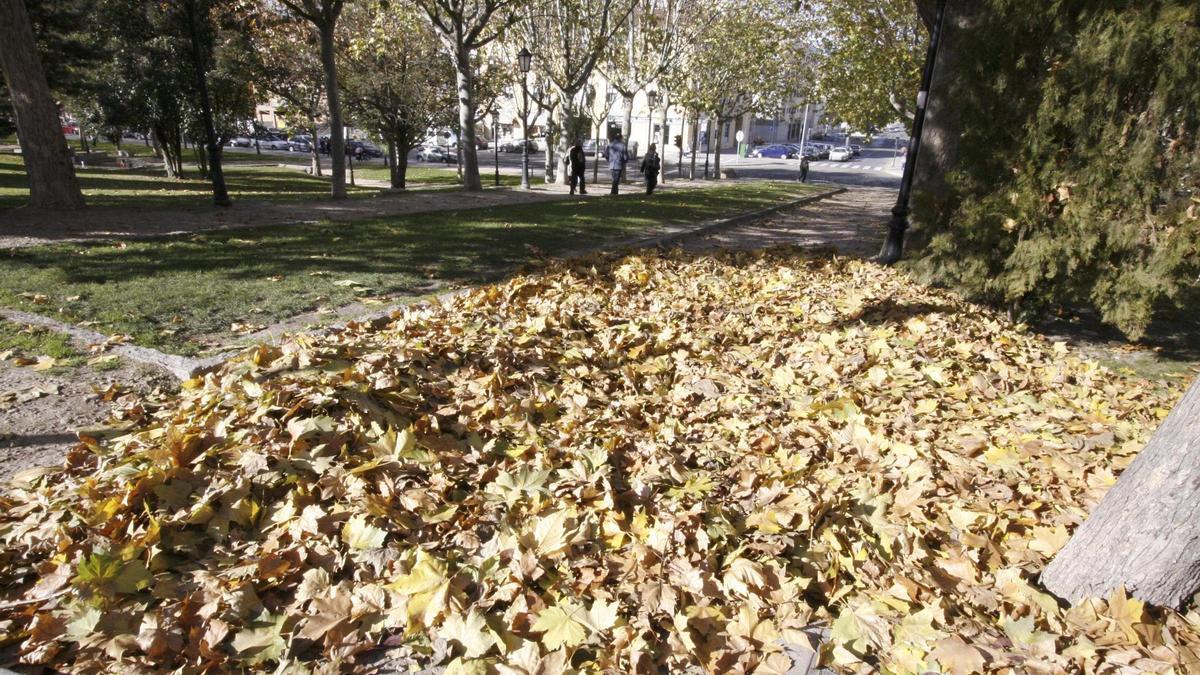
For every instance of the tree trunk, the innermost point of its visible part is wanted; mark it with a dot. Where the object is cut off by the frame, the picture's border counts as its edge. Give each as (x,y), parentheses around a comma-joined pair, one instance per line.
(663,138)
(1144,533)
(200,66)
(401,168)
(627,123)
(337,135)
(314,149)
(695,144)
(52,182)
(717,159)
(466,121)
(941,132)
(550,139)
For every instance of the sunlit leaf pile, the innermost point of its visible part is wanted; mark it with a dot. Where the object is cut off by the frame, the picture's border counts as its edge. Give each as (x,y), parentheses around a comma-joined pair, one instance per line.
(665,463)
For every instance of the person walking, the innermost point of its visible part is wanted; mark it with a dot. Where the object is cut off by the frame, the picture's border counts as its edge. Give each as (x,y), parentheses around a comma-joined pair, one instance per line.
(617,156)
(650,167)
(803,169)
(578,166)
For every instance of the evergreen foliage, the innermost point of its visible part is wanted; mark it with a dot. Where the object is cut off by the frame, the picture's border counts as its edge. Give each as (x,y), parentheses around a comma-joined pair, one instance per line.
(1078,169)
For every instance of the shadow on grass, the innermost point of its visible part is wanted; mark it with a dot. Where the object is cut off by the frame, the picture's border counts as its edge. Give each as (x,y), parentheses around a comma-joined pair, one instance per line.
(166,291)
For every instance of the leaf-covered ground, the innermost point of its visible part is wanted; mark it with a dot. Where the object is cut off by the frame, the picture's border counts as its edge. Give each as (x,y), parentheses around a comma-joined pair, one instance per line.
(657,463)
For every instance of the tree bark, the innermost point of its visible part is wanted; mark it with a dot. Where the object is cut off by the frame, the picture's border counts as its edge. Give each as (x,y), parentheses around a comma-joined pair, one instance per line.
(942,128)
(337,135)
(1145,533)
(695,144)
(213,147)
(717,153)
(52,181)
(466,122)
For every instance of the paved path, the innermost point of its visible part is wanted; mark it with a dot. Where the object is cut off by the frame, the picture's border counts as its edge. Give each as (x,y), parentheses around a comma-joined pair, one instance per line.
(854,222)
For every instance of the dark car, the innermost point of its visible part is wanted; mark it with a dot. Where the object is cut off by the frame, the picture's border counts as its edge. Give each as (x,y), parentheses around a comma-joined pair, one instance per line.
(856,149)
(515,146)
(362,149)
(775,151)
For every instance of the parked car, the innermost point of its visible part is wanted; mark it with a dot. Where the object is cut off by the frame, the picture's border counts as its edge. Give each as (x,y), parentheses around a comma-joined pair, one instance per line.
(274,144)
(774,151)
(436,153)
(514,145)
(480,143)
(856,149)
(822,150)
(300,143)
(842,154)
(240,142)
(362,149)
(591,145)
(70,129)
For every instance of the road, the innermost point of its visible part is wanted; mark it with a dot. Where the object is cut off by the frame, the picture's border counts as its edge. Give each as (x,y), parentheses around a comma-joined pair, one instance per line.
(878,166)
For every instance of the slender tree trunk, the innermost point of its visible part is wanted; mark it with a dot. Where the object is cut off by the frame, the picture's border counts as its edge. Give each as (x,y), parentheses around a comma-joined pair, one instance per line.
(627,123)
(200,66)
(52,181)
(695,144)
(663,134)
(717,159)
(337,135)
(596,157)
(466,121)
(1144,533)
(83,144)
(314,149)
(550,139)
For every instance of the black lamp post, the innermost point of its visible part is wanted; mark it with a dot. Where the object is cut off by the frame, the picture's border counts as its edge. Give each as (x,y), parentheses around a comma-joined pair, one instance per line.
(525,60)
(893,246)
(496,141)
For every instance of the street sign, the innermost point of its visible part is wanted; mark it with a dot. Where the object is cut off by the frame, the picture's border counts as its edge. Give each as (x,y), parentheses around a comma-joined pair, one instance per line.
(741,136)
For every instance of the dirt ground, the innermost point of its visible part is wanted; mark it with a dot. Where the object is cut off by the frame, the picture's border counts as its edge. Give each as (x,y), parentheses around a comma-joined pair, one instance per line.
(40,413)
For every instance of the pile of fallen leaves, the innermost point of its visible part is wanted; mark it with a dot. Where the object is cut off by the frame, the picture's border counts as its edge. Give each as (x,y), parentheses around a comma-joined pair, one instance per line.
(665,463)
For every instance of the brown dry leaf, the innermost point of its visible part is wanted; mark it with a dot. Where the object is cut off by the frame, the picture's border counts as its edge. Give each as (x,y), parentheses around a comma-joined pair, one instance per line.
(662,462)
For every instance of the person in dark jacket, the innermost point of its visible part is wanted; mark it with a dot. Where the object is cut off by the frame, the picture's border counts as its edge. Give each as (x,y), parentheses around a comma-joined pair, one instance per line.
(578,166)
(650,167)
(803,169)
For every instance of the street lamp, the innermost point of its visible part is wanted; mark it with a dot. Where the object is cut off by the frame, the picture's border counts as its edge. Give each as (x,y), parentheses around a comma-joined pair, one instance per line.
(893,246)
(525,60)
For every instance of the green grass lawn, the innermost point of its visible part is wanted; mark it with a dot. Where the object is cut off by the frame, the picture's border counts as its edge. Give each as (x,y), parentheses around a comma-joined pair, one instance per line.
(146,188)
(168,292)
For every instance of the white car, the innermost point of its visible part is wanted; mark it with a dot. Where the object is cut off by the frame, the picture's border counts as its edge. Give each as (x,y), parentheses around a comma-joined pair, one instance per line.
(841,154)
(275,144)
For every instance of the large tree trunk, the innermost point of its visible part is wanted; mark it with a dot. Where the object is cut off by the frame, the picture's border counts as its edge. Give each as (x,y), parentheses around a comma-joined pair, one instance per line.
(52,182)
(337,135)
(466,121)
(941,130)
(1145,533)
